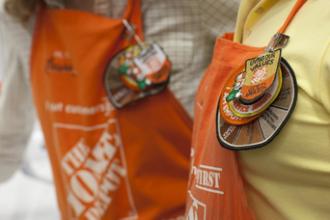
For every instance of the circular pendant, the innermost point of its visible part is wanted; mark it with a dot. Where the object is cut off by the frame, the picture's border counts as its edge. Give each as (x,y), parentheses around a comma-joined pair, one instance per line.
(261,129)
(244,110)
(135,73)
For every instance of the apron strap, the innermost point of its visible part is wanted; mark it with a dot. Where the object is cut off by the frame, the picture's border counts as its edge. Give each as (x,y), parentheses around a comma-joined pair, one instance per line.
(292,14)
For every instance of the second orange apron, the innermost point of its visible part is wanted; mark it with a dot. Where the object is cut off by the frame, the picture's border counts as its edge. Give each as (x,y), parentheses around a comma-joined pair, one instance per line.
(107,164)
(216,187)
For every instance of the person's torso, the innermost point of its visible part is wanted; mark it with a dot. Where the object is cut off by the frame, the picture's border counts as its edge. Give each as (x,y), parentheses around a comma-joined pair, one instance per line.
(289,178)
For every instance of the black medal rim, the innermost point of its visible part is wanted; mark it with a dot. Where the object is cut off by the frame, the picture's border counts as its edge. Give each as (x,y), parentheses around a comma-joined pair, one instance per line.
(287,117)
(107,85)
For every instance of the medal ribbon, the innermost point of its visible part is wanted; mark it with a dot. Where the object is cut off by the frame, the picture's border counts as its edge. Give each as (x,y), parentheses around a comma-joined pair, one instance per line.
(292,14)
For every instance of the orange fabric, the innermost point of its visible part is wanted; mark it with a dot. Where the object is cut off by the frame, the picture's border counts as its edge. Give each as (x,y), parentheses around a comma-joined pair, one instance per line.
(216,187)
(107,164)
(292,14)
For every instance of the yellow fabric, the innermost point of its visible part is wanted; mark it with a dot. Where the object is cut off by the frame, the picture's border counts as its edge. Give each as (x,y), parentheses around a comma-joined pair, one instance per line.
(289,179)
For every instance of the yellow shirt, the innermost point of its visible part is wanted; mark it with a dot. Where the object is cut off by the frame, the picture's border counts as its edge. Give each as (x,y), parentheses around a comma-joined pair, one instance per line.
(290,177)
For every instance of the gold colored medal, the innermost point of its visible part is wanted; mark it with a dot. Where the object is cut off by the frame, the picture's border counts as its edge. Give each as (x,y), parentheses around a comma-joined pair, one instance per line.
(248,110)
(260,75)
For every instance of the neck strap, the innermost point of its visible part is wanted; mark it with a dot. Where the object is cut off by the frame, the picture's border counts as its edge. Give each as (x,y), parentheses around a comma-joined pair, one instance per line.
(292,14)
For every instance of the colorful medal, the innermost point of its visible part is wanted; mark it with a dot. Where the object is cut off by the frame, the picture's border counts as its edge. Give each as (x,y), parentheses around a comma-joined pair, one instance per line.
(136,72)
(260,129)
(243,110)
(260,75)
(228,95)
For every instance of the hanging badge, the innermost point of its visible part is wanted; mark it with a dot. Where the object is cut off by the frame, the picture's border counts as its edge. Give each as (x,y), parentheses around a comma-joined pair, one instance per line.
(260,75)
(136,72)
(257,131)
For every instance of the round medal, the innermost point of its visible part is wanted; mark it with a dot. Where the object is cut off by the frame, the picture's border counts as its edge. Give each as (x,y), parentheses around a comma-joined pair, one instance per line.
(263,128)
(244,110)
(135,73)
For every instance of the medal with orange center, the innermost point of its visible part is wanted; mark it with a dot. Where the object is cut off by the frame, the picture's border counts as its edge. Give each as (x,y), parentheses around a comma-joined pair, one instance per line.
(231,92)
(259,106)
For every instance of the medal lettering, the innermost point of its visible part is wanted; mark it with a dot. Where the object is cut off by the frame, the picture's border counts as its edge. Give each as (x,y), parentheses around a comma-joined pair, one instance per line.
(259,62)
(255,89)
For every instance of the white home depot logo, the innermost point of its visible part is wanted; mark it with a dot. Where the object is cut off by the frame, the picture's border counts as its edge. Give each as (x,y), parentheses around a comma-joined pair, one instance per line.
(208,178)
(94,175)
(95,172)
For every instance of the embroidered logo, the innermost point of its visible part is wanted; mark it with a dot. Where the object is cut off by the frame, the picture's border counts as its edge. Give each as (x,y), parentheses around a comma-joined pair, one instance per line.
(60,62)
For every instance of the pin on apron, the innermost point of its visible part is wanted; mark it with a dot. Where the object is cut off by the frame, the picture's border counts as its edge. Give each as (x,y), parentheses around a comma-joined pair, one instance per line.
(257,101)
(107,163)
(136,72)
(270,114)
(215,187)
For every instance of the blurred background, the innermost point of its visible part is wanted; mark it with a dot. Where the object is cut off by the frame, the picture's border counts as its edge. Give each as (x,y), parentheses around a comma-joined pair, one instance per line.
(29,194)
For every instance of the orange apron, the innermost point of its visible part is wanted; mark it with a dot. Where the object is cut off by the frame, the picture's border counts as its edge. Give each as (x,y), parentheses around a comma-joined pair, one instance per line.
(216,187)
(107,164)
